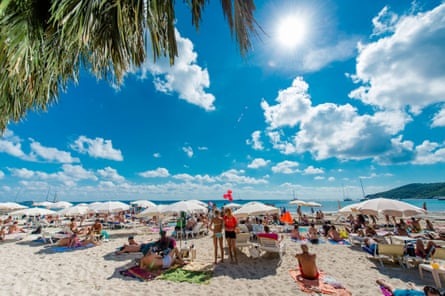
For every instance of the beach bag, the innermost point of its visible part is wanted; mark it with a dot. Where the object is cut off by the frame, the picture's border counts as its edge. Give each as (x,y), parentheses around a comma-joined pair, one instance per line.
(410,250)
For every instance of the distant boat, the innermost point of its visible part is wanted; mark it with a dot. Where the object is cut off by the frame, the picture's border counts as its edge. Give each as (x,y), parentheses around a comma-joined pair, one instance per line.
(347,199)
(364,198)
(440,198)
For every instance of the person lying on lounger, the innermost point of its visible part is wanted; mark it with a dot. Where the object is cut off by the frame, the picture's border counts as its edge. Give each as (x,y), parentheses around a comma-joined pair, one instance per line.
(306,264)
(423,251)
(414,291)
(15,228)
(153,261)
(74,242)
(334,235)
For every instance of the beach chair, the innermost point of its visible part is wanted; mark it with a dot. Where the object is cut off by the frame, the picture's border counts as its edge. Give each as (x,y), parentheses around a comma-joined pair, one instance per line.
(195,231)
(272,245)
(391,252)
(242,240)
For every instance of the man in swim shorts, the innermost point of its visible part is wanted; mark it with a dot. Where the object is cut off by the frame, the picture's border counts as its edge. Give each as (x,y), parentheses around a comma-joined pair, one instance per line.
(306,263)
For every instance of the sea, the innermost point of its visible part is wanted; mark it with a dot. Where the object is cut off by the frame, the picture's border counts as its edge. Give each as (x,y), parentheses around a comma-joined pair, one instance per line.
(432,205)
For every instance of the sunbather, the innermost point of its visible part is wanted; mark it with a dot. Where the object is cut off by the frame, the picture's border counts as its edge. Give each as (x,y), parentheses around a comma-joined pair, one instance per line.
(154,261)
(370,246)
(413,291)
(15,228)
(313,234)
(295,233)
(334,235)
(2,233)
(306,264)
(423,251)
(74,241)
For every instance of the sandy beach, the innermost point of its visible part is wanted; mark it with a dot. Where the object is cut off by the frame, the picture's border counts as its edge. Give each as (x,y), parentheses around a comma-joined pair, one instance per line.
(32,268)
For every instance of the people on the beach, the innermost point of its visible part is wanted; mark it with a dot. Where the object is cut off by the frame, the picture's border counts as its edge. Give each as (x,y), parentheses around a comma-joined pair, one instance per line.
(415,225)
(3,233)
(313,234)
(307,264)
(74,242)
(230,223)
(153,261)
(295,233)
(334,235)
(216,226)
(74,228)
(370,246)
(15,228)
(268,234)
(413,291)
(163,245)
(425,251)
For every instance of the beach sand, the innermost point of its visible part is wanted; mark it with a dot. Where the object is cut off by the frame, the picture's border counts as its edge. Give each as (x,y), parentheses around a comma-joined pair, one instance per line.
(31,268)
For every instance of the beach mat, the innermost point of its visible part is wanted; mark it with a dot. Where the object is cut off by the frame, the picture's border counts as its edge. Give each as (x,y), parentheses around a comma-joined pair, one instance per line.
(342,242)
(187,276)
(325,285)
(70,249)
(140,273)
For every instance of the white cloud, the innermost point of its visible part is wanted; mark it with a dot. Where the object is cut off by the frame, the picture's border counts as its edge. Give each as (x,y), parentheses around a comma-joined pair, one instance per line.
(77,172)
(22,173)
(234,176)
(255,142)
(328,130)
(97,148)
(110,173)
(11,145)
(430,153)
(318,58)
(286,167)
(439,118)
(51,154)
(188,150)
(405,69)
(159,172)
(196,178)
(185,77)
(384,22)
(310,170)
(258,163)
(2,174)
(331,179)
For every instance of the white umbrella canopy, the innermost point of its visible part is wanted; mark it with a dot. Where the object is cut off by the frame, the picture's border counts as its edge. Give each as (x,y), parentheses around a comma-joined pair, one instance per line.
(313,204)
(151,212)
(60,205)
(199,202)
(187,206)
(78,210)
(304,203)
(389,207)
(233,205)
(255,208)
(11,206)
(33,212)
(352,208)
(109,207)
(143,203)
(46,204)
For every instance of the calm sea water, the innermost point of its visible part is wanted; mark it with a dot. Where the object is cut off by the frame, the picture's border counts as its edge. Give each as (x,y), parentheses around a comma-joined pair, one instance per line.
(433,205)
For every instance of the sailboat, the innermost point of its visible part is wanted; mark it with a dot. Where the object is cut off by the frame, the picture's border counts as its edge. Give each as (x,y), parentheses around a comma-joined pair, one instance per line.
(345,198)
(363,191)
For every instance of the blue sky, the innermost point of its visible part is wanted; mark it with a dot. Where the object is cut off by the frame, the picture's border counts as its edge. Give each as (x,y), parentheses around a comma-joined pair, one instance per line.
(332,92)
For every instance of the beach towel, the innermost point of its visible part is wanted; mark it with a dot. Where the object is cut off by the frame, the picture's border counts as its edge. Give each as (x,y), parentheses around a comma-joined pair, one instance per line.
(188,276)
(325,285)
(70,249)
(342,242)
(140,273)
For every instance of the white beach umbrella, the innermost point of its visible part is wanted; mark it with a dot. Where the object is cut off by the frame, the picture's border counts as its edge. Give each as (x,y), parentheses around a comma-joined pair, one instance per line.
(11,206)
(352,208)
(298,202)
(46,204)
(199,202)
(184,206)
(78,210)
(233,205)
(109,207)
(255,208)
(143,203)
(33,212)
(391,207)
(152,211)
(60,205)
(313,204)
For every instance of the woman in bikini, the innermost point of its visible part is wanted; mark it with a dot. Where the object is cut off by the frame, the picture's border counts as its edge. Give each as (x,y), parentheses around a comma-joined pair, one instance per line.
(230,223)
(216,226)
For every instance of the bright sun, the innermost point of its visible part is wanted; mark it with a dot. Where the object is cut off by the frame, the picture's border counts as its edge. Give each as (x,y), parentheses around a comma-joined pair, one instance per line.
(291,32)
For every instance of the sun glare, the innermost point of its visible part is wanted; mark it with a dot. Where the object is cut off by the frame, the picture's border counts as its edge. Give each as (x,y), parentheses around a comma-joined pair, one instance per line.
(291,32)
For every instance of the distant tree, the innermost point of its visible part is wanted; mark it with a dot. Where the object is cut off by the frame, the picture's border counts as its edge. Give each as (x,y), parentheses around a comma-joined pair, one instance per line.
(44,43)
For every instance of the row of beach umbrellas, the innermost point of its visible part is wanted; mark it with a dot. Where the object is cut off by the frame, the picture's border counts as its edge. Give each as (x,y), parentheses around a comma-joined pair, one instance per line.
(383,206)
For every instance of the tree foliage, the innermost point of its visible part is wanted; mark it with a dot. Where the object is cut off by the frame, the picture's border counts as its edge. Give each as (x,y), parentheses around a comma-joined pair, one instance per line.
(415,190)
(44,43)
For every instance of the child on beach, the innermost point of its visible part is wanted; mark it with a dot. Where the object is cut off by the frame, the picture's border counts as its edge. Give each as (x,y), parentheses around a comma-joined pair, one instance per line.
(216,225)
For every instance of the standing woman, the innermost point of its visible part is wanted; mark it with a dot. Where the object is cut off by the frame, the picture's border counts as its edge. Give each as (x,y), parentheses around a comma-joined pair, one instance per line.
(216,225)
(230,224)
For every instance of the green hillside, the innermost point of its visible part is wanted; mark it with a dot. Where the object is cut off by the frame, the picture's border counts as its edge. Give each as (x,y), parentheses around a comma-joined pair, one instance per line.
(415,190)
